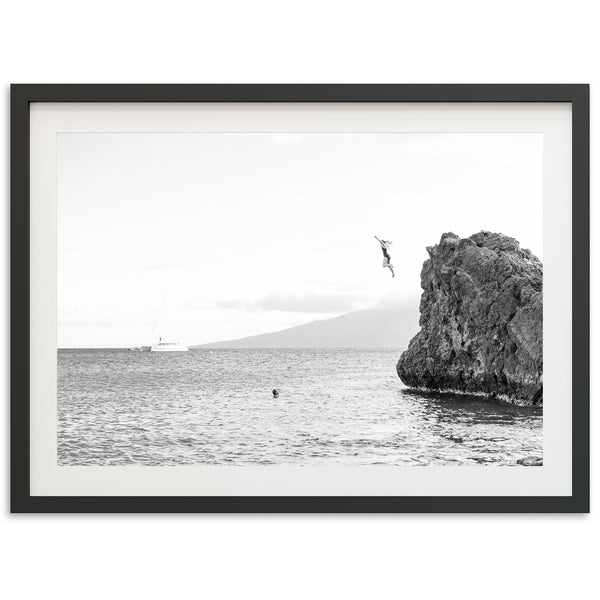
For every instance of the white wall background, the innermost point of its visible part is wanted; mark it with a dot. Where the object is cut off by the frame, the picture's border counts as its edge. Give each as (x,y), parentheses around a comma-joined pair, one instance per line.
(297,556)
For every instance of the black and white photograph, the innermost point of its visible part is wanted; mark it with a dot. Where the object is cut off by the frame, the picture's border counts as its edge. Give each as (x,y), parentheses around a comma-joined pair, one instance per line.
(300,298)
(282,283)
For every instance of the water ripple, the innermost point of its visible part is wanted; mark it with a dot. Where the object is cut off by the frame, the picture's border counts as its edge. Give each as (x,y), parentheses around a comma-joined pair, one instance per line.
(337,407)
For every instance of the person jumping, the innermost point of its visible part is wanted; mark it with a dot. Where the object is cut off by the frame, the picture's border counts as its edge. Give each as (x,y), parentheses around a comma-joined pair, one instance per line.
(387,259)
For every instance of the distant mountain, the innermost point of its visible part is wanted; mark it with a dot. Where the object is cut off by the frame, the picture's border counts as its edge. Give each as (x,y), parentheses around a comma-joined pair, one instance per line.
(372,328)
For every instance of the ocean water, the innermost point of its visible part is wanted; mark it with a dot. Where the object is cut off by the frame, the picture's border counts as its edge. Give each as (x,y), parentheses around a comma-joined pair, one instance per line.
(336,407)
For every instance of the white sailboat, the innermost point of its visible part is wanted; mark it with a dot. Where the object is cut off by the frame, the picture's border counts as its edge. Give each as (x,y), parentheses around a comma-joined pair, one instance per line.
(163,345)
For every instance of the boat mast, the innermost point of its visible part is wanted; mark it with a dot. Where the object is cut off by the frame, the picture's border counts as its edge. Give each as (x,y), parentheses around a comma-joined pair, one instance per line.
(151,338)
(162,314)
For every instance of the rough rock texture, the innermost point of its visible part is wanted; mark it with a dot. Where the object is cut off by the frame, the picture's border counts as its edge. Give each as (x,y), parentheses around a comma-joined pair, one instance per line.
(481,320)
(531,461)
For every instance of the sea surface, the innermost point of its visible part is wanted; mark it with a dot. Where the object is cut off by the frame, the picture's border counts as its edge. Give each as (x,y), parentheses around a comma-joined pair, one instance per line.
(215,407)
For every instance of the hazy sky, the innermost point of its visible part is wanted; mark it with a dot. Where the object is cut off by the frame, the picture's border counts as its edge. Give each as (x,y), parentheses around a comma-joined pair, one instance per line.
(247,233)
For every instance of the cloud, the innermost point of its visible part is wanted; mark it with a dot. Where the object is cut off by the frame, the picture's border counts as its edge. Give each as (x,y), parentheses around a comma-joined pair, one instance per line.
(350,297)
(398,300)
(71,317)
(309,302)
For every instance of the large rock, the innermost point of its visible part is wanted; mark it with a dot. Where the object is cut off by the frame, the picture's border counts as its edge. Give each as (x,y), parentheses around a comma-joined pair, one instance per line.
(481,320)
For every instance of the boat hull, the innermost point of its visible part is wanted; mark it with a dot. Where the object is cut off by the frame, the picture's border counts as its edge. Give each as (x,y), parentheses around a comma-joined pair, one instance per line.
(169,348)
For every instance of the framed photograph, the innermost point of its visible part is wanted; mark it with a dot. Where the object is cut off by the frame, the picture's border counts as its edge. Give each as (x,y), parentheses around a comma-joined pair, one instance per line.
(300,298)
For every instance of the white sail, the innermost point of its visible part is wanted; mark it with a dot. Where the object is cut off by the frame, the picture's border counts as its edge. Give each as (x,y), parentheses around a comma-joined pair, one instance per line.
(164,345)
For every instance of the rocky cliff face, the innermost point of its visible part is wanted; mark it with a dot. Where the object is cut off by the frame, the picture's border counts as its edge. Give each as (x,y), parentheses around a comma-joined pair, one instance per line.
(481,320)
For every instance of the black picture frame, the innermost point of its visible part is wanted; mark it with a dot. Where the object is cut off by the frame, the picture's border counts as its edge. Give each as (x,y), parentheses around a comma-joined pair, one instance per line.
(22,95)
